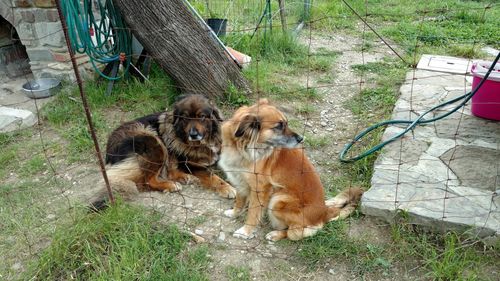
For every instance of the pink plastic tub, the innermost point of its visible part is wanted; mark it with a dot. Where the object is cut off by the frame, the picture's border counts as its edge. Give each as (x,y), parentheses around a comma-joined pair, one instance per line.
(486,101)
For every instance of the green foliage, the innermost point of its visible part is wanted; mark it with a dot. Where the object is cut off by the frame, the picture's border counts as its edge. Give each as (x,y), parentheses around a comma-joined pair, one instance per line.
(317,142)
(235,97)
(33,166)
(306,109)
(443,257)
(433,26)
(8,156)
(333,242)
(123,243)
(373,100)
(235,273)
(450,24)
(277,45)
(447,256)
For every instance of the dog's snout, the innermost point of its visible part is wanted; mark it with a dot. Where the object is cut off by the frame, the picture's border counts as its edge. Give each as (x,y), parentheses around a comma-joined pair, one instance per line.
(299,138)
(193,132)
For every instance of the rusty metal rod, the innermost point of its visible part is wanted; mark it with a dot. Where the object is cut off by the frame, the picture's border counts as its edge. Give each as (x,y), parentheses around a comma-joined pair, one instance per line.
(84,100)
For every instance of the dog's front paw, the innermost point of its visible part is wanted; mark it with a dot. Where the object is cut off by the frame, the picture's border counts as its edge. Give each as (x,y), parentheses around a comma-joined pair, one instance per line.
(337,202)
(231,213)
(276,235)
(227,191)
(244,233)
(183,178)
(174,187)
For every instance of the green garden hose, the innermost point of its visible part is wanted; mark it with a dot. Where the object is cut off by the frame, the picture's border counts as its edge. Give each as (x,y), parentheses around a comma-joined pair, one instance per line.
(412,123)
(101,33)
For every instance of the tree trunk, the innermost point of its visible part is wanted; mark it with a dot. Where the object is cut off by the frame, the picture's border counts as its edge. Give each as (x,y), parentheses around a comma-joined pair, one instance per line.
(182,46)
(282,15)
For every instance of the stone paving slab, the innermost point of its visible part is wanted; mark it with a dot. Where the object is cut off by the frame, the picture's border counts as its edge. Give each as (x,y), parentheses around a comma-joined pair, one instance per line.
(446,175)
(17,111)
(12,119)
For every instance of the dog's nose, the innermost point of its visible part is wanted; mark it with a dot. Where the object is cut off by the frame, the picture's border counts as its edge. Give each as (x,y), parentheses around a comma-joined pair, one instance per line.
(193,133)
(299,138)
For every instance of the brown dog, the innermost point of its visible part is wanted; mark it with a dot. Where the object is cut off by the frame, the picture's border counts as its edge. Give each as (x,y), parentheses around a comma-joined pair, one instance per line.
(264,161)
(161,150)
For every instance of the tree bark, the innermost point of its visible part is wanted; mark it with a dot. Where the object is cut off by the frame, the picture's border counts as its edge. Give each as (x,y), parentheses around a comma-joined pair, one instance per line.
(282,15)
(182,46)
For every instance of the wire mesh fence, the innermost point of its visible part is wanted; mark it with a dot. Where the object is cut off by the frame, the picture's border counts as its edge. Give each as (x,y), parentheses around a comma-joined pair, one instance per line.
(351,62)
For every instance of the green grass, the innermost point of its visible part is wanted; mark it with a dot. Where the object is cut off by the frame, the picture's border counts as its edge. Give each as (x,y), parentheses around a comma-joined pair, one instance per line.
(438,27)
(275,58)
(373,101)
(8,157)
(21,153)
(238,273)
(317,142)
(123,243)
(440,257)
(333,241)
(35,165)
(449,256)
(306,109)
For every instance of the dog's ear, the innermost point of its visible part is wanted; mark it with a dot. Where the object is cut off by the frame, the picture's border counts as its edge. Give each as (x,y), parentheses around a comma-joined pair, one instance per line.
(216,114)
(181,97)
(175,116)
(263,101)
(249,122)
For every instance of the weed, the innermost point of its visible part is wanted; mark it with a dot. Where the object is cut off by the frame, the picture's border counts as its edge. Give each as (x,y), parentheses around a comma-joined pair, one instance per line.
(465,51)
(326,79)
(235,97)
(235,273)
(317,142)
(8,156)
(275,58)
(332,242)
(33,166)
(123,243)
(366,46)
(445,257)
(371,101)
(295,124)
(306,109)
(197,220)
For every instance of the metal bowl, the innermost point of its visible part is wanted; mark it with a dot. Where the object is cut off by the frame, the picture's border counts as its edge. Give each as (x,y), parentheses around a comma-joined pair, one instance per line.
(42,88)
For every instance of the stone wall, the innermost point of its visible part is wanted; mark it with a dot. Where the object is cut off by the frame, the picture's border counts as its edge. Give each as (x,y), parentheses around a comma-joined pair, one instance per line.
(39,28)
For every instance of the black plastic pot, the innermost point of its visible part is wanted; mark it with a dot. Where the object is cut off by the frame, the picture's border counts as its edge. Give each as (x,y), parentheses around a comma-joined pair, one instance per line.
(218,26)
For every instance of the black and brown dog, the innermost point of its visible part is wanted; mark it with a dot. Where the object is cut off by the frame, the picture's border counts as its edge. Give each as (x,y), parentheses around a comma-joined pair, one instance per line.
(162,150)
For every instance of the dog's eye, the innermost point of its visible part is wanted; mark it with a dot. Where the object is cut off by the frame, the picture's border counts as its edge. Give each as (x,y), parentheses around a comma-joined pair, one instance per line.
(202,117)
(280,126)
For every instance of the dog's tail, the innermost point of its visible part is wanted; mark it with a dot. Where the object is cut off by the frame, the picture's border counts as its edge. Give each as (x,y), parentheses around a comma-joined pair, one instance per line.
(342,205)
(122,180)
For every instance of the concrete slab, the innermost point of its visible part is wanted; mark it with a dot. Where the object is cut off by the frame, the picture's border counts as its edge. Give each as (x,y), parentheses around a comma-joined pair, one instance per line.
(17,111)
(446,175)
(12,119)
